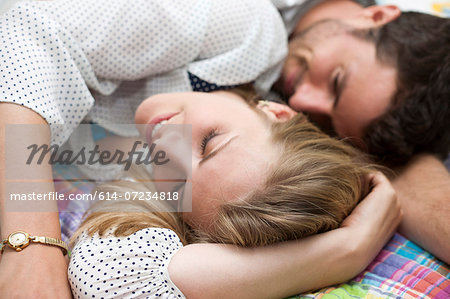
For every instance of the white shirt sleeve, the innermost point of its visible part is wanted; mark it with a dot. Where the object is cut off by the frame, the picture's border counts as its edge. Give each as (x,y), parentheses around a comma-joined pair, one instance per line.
(124,267)
(58,58)
(54,53)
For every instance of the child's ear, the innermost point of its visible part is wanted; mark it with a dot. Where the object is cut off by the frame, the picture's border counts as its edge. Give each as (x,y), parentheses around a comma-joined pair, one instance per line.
(275,111)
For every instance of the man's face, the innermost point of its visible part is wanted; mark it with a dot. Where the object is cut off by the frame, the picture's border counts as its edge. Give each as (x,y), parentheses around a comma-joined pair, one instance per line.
(336,78)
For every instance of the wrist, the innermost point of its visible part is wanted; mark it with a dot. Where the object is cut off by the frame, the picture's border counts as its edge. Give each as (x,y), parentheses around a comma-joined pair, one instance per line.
(354,250)
(34,254)
(20,240)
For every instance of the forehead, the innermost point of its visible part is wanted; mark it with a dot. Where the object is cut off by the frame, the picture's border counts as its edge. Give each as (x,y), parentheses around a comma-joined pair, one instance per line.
(318,32)
(241,165)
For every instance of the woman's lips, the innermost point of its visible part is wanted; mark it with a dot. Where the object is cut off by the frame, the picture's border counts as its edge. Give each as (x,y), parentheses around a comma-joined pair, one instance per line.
(161,117)
(155,121)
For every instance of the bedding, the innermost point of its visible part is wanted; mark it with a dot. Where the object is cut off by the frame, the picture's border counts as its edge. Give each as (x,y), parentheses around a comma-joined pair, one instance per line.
(401,270)
(67,182)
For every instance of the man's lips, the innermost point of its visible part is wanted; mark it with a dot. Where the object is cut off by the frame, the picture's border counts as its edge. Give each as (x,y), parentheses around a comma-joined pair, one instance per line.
(154,121)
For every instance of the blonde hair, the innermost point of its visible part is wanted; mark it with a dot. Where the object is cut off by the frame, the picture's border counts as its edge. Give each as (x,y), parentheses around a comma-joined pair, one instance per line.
(126,218)
(312,187)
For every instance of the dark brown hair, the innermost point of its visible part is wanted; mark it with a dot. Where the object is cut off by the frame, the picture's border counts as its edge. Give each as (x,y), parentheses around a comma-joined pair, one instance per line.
(418,45)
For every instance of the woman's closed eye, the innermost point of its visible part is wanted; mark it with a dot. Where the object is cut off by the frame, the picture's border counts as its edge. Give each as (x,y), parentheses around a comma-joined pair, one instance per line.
(206,139)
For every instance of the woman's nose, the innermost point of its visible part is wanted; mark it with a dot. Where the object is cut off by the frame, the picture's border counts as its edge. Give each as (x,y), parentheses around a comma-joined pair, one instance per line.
(312,99)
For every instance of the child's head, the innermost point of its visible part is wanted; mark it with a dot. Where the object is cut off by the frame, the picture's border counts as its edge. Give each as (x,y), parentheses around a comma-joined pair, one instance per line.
(313,185)
(273,181)
(231,147)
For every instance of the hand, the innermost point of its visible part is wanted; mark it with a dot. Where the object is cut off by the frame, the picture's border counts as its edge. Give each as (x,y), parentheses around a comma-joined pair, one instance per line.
(375,219)
(39,271)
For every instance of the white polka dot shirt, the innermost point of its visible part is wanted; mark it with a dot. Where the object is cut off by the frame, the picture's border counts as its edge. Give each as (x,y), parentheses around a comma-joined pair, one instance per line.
(66,59)
(124,267)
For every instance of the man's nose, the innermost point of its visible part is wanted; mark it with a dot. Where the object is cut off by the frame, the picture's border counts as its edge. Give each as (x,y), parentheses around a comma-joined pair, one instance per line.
(312,99)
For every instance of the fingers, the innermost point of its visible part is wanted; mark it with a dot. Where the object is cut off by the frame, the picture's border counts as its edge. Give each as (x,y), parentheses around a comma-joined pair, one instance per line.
(380,181)
(380,205)
(382,191)
(375,219)
(383,200)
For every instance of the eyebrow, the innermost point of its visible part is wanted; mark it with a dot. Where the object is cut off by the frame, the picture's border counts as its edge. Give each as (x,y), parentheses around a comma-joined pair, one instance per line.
(217,150)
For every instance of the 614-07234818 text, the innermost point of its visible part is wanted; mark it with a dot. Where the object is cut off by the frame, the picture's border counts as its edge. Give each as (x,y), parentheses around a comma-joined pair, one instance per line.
(135,195)
(109,196)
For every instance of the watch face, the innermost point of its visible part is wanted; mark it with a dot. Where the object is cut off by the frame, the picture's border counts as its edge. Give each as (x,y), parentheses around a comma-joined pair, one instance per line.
(18,238)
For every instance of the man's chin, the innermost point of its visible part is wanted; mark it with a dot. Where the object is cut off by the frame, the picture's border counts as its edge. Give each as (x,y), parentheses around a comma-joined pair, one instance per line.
(324,123)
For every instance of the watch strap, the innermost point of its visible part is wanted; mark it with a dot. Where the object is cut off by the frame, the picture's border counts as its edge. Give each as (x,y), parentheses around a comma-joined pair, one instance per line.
(3,245)
(50,241)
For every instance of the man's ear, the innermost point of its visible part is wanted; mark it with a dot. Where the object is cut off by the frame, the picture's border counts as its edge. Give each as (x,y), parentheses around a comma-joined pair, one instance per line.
(378,15)
(276,112)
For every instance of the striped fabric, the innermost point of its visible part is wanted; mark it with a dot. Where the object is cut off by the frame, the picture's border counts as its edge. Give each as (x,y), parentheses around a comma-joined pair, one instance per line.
(401,270)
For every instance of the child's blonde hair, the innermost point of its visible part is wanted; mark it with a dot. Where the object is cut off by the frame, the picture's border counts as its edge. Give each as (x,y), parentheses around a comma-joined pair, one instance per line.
(313,186)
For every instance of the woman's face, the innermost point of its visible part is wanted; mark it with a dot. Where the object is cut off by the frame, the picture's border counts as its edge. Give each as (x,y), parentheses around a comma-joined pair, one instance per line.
(231,145)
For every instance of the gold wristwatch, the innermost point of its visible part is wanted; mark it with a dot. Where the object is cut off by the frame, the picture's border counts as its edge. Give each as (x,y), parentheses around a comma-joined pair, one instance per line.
(18,240)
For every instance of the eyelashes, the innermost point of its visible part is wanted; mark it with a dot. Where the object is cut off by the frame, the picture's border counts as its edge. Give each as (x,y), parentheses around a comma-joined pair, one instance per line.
(210,135)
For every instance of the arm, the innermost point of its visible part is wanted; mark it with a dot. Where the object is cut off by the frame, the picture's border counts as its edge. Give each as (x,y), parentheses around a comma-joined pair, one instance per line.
(224,271)
(423,188)
(27,267)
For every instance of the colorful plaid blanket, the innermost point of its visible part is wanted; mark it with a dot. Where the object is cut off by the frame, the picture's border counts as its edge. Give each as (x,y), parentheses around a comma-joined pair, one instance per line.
(67,182)
(401,270)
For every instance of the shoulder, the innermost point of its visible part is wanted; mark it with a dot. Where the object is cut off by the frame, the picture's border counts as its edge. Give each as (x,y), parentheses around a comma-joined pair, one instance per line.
(134,265)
